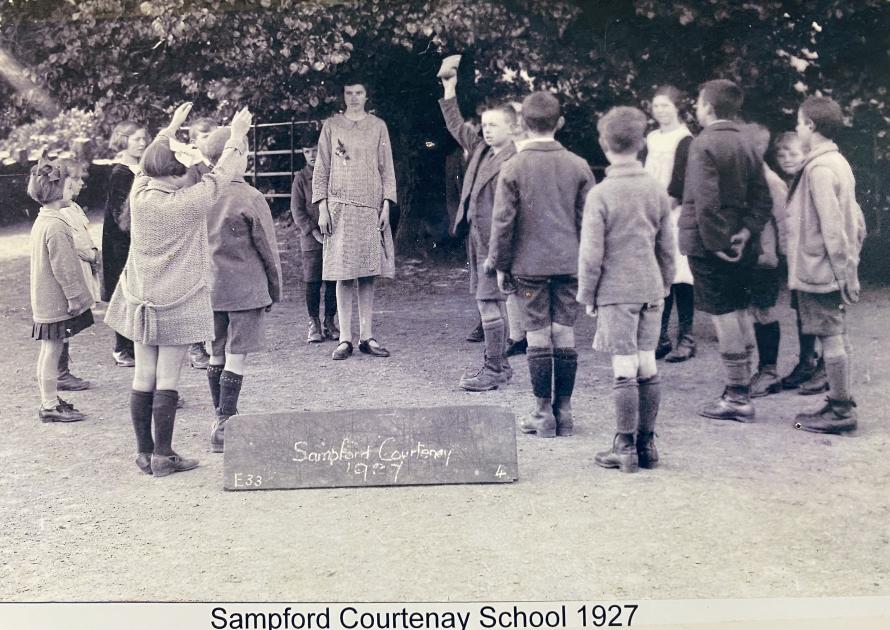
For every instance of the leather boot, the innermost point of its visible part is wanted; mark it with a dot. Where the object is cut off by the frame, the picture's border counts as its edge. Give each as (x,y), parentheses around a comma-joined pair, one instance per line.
(198,357)
(314,335)
(734,404)
(765,382)
(837,416)
(218,434)
(565,419)
(486,378)
(541,420)
(66,381)
(329,328)
(647,454)
(684,351)
(817,383)
(622,455)
(664,346)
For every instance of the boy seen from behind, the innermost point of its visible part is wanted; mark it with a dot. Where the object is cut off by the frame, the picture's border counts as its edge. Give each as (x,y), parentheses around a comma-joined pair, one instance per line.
(625,270)
(536,226)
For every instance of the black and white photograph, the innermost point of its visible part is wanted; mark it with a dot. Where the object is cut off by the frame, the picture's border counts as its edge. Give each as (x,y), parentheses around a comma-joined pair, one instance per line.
(444,314)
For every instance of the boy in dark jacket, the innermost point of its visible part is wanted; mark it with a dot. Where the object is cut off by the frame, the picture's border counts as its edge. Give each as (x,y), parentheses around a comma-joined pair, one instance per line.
(536,226)
(305,214)
(726,203)
(487,156)
(245,271)
(625,270)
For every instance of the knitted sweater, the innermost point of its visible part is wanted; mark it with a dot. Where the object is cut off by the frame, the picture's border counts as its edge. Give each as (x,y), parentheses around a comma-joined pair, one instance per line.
(245,267)
(354,163)
(58,288)
(627,240)
(163,296)
(826,226)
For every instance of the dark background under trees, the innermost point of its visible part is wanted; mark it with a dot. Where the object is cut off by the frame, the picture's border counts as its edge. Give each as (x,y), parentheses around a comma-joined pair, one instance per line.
(103,61)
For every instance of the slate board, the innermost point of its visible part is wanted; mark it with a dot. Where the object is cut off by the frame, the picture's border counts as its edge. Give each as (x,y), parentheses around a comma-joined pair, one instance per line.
(370,447)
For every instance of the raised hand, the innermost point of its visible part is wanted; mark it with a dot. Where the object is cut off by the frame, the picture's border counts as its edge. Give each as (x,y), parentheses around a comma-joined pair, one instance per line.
(180,115)
(241,123)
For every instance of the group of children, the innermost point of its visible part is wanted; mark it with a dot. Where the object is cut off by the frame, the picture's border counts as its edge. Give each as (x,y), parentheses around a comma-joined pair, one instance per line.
(541,229)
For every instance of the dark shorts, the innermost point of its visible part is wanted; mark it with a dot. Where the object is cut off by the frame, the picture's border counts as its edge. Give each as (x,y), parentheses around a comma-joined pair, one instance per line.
(822,314)
(547,300)
(720,287)
(64,329)
(627,328)
(764,286)
(483,286)
(238,332)
(312,265)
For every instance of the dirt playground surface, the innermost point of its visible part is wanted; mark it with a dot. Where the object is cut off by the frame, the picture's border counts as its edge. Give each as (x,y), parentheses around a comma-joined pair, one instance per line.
(735,511)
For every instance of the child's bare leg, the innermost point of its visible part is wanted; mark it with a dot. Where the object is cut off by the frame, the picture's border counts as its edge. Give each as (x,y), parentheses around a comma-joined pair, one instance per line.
(514,317)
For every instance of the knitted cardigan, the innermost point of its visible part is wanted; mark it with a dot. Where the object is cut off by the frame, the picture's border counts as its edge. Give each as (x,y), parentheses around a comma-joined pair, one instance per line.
(163,295)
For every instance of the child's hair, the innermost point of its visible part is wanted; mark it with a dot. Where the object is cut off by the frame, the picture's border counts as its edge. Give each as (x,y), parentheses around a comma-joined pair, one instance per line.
(724,96)
(540,112)
(201,125)
(622,129)
(507,109)
(825,113)
(786,139)
(216,142)
(356,79)
(159,161)
(47,180)
(121,133)
(673,94)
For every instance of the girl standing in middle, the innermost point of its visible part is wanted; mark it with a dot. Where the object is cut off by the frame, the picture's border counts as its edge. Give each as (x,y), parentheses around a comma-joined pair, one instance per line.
(354,184)
(667,149)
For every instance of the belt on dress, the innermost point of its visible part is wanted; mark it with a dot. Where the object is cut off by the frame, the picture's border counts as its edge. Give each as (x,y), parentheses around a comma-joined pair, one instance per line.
(147,311)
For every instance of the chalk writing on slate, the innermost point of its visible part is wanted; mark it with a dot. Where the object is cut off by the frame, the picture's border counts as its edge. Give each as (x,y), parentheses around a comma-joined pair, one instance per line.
(370,447)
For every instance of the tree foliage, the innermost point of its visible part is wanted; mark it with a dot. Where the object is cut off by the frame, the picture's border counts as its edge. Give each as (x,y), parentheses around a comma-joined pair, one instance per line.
(285,58)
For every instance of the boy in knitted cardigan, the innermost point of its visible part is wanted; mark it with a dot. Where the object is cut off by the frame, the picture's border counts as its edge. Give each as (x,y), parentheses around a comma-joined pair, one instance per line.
(625,270)
(825,233)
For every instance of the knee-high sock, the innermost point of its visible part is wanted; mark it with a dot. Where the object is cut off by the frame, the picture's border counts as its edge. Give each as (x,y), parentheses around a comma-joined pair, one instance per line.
(330,298)
(213,374)
(164,411)
(565,367)
(494,333)
(685,298)
(540,369)
(738,373)
(141,408)
(768,337)
(837,369)
(626,394)
(229,391)
(649,402)
(313,298)
(666,315)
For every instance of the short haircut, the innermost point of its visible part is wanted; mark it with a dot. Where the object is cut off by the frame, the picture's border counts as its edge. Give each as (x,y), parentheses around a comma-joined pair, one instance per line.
(201,125)
(724,96)
(355,79)
(825,113)
(47,180)
(121,133)
(506,109)
(216,142)
(540,112)
(786,139)
(622,129)
(673,94)
(159,161)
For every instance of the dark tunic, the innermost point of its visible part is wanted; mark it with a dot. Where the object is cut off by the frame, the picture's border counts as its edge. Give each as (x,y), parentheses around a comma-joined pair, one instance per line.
(115,240)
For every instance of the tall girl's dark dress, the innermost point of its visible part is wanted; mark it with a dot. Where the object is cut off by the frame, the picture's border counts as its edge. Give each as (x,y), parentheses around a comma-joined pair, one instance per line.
(116,237)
